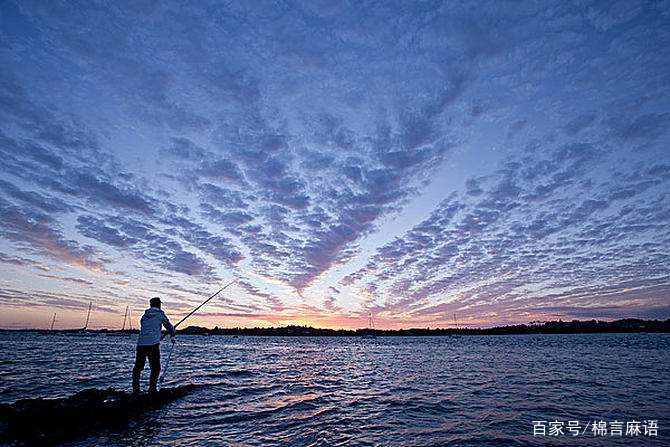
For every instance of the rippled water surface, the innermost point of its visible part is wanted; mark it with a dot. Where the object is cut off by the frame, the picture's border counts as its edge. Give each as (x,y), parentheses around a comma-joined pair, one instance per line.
(352,391)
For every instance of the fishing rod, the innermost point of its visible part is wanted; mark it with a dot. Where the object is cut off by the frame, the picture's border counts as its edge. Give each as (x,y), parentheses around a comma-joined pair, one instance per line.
(202,304)
(167,363)
(88,315)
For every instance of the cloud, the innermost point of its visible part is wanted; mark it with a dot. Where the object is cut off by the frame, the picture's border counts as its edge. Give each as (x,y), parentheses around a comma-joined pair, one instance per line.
(22,262)
(648,126)
(40,233)
(68,279)
(274,302)
(107,193)
(579,123)
(47,204)
(222,170)
(211,139)
(487,251)
(181,147)
(94,228)
(148,243)
(228,219)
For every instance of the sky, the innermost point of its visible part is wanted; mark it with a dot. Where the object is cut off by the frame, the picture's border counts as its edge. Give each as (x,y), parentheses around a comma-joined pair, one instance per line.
(428,163)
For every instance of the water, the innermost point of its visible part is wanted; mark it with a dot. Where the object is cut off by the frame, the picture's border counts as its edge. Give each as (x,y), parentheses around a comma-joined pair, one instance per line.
(409,391)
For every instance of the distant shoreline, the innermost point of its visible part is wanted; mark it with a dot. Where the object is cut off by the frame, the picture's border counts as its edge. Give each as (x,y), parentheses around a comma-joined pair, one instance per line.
(551,327)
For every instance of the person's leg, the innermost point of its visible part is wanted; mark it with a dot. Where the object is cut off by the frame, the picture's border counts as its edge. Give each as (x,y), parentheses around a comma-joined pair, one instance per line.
(155,364)
(140,358)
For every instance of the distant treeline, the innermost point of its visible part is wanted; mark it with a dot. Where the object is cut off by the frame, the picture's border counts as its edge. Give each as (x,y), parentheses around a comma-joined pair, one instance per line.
(549,327)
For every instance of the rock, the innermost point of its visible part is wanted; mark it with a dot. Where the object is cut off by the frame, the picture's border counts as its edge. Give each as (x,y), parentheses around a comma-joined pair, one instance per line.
(47,421)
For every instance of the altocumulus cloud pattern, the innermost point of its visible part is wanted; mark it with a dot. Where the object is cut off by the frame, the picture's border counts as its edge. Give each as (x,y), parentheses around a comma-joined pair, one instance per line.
(504,162)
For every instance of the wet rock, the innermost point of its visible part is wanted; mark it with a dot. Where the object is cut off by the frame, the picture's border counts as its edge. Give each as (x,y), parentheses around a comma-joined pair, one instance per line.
(48,421)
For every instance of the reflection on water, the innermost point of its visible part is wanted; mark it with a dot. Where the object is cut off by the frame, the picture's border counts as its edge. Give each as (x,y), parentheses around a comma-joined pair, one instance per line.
(352,391)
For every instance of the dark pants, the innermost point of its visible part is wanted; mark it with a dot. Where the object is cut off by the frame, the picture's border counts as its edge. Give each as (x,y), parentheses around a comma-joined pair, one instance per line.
(154,354)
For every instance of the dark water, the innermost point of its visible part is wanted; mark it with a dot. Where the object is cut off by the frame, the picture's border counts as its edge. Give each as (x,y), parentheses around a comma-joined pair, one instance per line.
(352,391)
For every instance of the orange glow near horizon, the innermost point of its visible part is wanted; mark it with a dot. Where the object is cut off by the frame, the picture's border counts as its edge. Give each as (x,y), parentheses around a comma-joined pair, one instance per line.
(40,316)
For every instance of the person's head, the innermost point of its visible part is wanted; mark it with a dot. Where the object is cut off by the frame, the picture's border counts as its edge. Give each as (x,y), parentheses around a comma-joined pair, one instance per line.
(155,302)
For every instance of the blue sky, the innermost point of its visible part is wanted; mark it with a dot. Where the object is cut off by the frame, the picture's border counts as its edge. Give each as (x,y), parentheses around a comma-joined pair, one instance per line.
(500,161)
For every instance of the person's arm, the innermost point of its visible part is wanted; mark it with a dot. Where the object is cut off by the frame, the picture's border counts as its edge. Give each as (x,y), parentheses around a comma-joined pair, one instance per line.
(168,325)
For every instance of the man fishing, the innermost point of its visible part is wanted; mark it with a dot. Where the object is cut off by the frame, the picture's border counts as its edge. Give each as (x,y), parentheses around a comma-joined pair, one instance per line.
(148,344)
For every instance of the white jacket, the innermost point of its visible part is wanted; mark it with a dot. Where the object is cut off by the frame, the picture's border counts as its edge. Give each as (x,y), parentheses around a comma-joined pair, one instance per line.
(150,331)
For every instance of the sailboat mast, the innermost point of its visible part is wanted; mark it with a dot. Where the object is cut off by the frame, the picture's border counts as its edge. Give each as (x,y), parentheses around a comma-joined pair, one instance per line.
(53,320)
(88,315)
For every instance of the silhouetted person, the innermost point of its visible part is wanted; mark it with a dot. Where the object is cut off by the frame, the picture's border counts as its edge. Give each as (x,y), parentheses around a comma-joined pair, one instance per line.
(148,344)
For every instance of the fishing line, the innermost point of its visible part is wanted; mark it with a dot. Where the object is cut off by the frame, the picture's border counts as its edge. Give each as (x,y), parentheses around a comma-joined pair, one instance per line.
(167,363)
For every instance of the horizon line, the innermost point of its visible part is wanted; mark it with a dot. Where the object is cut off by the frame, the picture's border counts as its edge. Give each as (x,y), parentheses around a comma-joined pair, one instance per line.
(341,329)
